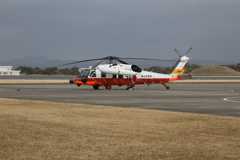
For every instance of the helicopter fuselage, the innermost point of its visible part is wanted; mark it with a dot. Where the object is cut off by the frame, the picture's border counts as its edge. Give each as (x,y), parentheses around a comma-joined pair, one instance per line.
(128,74)
(119,74)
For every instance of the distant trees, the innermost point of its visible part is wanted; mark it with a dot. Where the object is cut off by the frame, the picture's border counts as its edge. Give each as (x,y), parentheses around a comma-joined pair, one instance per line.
(235,67)
(26,70)
(37,70)
(48,71)
(74,70)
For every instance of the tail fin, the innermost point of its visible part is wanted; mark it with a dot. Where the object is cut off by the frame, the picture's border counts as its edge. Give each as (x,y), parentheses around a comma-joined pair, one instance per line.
(179,69)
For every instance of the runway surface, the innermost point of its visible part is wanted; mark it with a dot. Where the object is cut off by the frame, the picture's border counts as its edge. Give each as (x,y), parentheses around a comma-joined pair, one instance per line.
(206,98)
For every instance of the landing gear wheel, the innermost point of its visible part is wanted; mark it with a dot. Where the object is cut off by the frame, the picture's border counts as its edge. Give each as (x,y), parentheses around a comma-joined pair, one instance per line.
(167,87)
(79,84)
(108,86)
(96,87)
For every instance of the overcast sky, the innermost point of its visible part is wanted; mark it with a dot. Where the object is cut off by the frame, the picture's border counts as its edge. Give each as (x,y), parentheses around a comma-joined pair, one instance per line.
(83,29)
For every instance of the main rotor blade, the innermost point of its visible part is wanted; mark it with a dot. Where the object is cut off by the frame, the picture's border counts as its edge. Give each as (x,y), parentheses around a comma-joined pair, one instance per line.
(188,51)
(98,64)
(112,58)
(175,65)
(177,52)
(80,61)
(149,59)
(122,61)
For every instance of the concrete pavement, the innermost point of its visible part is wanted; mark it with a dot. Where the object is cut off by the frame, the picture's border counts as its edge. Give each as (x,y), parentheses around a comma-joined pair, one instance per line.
(205,98)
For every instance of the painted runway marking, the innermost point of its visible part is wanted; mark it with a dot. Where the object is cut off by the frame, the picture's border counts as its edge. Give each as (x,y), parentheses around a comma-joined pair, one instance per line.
(229,99)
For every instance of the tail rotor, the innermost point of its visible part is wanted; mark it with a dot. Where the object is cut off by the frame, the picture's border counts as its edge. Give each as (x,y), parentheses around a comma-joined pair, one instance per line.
(180,56)
(177,52)
(188,51)
(180,53)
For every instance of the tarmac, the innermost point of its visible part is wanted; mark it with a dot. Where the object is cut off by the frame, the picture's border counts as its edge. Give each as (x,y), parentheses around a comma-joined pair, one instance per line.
(205,98)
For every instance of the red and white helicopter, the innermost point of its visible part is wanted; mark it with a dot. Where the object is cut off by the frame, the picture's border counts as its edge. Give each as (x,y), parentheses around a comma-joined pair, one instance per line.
(127,74)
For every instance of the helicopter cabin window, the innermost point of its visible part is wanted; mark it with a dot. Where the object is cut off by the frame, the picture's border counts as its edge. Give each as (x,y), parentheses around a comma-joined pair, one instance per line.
(93,74)
(120,76)
(114,76)
(103,74)
(144,76)
(117,76)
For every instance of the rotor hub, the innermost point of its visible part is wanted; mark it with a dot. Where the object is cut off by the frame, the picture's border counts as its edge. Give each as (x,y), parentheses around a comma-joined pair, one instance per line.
(111,58)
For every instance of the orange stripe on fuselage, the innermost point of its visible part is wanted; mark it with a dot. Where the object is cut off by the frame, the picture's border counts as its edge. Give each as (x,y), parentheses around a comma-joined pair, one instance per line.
(174,79)
(104,81)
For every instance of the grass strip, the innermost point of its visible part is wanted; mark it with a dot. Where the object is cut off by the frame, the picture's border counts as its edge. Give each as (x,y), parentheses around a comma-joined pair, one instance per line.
(51,130)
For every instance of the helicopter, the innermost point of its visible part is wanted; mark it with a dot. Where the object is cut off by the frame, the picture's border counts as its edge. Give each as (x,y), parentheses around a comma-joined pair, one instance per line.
(123,73)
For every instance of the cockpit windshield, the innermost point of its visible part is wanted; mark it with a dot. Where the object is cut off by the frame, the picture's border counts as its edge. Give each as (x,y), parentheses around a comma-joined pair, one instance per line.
(84,73)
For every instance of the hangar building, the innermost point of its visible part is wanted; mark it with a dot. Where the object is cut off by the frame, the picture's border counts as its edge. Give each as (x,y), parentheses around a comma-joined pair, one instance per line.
(7,71)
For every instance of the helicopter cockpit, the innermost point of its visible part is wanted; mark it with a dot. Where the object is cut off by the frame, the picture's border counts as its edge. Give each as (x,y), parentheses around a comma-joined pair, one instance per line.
(84,73)
(87,73)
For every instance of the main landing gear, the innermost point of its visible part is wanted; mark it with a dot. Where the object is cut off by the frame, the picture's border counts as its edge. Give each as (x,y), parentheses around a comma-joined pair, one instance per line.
(96,87)
(167,87)
(108,86)
(130,87)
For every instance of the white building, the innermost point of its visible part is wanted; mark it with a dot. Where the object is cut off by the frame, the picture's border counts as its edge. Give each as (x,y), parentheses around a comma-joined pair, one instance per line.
(7,71)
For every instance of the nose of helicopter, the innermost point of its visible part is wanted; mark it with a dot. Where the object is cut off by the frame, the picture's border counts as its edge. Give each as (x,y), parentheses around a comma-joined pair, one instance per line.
(83,80)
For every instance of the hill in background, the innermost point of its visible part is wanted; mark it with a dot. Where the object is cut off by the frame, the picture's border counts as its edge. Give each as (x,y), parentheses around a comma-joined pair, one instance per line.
(214,71)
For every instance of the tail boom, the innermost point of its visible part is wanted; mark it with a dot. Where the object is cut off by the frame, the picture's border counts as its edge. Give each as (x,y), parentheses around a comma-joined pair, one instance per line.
(178,72)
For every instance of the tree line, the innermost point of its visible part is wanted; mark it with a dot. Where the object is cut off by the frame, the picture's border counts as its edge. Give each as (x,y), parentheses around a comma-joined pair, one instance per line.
(235,67)
(48,71)
(74,70)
